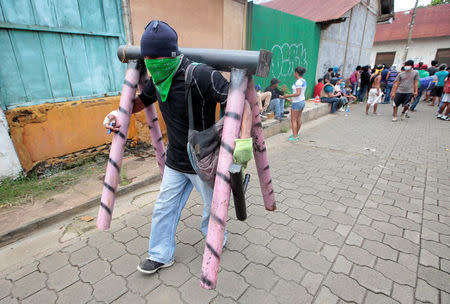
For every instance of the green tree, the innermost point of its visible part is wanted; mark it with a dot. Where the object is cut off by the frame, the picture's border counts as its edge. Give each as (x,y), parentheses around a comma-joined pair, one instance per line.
(439,2)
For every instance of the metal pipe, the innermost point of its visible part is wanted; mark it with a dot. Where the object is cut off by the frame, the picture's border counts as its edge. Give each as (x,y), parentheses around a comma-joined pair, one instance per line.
(237,188)
(256,62)
(222,189)
(259,150)
(246,181)
(117,146)
(153,124)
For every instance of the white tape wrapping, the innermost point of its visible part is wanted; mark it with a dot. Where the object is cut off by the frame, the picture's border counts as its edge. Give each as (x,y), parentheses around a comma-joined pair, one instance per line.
(107,121)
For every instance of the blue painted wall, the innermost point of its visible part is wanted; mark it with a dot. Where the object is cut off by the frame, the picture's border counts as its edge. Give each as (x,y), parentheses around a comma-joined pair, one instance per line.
(59,50)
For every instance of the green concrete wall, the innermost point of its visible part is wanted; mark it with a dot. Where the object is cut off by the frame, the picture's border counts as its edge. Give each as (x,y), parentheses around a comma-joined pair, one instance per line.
(294,42)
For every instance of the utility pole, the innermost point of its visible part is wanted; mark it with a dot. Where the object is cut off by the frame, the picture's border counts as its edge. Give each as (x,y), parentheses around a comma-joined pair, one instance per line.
(413,18)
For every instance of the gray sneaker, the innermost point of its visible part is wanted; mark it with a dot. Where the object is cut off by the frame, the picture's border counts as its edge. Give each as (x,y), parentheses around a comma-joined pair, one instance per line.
(149,266)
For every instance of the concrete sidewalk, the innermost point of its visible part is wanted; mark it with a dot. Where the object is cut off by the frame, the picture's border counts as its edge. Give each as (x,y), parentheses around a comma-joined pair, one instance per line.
(363,217)
(20,221)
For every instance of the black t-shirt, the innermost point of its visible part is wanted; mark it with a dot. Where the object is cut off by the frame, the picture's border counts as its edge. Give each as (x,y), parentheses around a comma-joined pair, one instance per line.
(365,78)
(432,70)
(209,87)
(276,93)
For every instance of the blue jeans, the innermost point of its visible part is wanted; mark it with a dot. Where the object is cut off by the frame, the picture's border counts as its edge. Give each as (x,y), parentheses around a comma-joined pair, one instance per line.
(276,105)
(174,192)
(416,100)
(387,96)
(362,92)
(336,102)
(355,89)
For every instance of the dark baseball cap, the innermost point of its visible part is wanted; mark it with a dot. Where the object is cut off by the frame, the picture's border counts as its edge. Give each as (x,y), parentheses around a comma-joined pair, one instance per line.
(274,81)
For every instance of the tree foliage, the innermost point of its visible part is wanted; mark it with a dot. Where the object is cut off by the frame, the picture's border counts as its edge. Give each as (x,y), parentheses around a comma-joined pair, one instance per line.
(439,2)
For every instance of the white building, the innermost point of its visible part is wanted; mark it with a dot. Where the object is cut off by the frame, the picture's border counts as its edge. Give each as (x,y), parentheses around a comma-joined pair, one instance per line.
(430,38)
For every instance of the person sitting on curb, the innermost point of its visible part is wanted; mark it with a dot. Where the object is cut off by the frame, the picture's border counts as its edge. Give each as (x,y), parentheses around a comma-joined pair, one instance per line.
(167,66)
(329,96)
(263,99)
(276,103)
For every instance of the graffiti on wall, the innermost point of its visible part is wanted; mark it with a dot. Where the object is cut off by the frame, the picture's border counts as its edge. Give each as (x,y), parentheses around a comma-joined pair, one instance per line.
(286,57)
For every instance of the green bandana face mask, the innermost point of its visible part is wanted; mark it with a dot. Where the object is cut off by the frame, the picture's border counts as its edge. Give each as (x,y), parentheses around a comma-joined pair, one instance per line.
(162,71)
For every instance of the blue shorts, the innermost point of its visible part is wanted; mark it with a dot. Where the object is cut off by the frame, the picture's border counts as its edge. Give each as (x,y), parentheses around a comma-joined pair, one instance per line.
(298,106)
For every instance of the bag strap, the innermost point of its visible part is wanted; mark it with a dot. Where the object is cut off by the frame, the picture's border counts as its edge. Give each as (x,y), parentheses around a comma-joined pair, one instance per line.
(188,75)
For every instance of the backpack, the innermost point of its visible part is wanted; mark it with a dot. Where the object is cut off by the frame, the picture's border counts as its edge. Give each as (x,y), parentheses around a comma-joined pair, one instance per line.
(203,146)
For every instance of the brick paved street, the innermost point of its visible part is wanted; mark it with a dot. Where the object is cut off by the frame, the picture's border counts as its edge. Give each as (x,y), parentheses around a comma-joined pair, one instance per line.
(353,225)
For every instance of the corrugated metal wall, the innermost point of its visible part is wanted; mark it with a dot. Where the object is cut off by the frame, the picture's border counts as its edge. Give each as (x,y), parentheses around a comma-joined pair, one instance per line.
(58,50)
(294,42)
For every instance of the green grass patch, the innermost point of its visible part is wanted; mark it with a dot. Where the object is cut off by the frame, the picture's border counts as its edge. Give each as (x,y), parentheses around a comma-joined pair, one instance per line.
(284,130)
(27,188)
(123,179)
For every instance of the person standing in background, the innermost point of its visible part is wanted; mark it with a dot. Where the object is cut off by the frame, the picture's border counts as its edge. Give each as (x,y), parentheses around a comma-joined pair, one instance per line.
(354,80)
(390,78)
(439,88)
(422,74)
(365,82)
(432,70)
(405,88)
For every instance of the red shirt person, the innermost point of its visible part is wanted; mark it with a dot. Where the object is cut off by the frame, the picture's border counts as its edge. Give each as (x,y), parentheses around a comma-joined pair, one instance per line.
(318,87)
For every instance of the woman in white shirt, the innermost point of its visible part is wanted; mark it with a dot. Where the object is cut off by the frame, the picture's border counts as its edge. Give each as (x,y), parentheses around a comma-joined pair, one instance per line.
(298,102)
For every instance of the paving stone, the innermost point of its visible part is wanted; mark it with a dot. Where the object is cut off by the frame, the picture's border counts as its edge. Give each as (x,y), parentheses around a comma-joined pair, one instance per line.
(303,227)
(283,248)
(222,300)
(329,237)
(329,252)
(368,233)
(109,288)
(278,217)
(358,255)
(165,294)
(193,293)
(233,261)
(125,265)
(126,234)
(76,293)
(5,288)
(445,265)
(259,276)
(410,261)
(380,250)
(307,242)
(257,236)
(342,265)
(258,222)
(53,262)
(298,214)
(281,231)
(111,251)
(438,249)
(288,292)
(403,294)
(63,277)
(311,282)
(136,221)
(326,297)
(28,285)
(128,298)
(354,239)
(95,271)
(42,296)
(22,271)
(142,284)
(287,269)
(436,278)
(9,300)
(258,254)
(175,275)
(396,272)
(313,262)
(190,236)
(375,298)
(83,256)
(231,284)
(401,244)
(387,228)
(371,279)
(185,253)
(321,222)
(445,297)
(426,293)
(344,287)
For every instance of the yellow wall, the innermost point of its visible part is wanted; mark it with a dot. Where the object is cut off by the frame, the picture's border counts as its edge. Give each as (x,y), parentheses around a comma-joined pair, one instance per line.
(51,130)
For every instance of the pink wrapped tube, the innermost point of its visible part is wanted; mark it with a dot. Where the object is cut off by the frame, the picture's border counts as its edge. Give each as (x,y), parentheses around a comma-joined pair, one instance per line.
(222,189)
(117,146)
(259,150)
(155,130)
